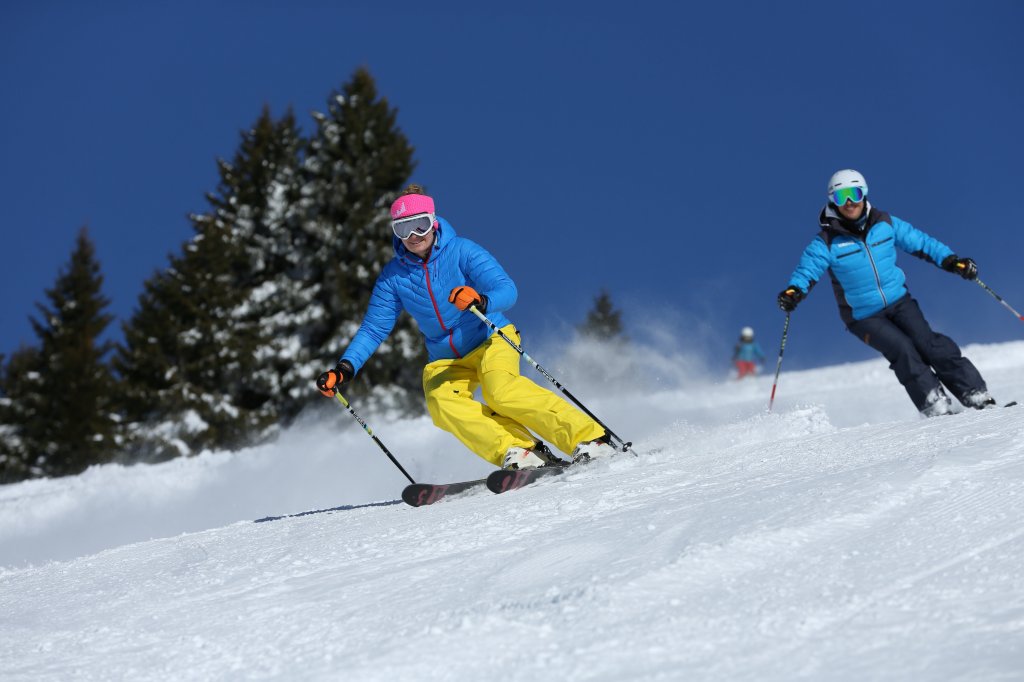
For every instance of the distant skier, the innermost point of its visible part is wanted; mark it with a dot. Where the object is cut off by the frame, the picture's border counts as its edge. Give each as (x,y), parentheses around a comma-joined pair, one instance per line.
(436,276)
(747,354)
(857,245)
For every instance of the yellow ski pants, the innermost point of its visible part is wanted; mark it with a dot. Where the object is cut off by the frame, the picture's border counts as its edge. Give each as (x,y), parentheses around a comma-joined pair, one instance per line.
(515,405)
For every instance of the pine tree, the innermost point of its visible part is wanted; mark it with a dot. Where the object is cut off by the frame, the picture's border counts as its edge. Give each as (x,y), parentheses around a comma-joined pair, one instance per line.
(263,200)
(21,396)
(60,396)
(258,203)
(226,343)
(603,321)
(358,161)
(187,359)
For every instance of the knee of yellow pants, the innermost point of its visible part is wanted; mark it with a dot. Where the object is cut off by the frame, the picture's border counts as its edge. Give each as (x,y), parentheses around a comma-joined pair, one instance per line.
(444,380)
(447,407)
(496,385)
(434,409)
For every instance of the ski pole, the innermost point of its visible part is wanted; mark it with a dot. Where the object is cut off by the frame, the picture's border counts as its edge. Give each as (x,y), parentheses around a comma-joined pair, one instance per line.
(366,427)
(998,298)
(625,446)
(778,365)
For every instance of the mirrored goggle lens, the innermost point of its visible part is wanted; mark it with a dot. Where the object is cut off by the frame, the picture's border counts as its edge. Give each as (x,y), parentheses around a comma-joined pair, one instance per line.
(841,196)
(417,225)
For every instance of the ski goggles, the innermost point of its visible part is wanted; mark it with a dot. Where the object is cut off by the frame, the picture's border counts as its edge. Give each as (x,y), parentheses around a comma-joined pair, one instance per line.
(418,225)
(840,197)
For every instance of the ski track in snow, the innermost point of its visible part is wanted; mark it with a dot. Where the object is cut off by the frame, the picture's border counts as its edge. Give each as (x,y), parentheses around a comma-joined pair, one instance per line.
(839,538)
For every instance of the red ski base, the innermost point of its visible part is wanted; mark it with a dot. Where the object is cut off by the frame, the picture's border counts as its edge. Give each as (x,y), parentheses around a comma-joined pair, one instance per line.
(420,494)
(504,480)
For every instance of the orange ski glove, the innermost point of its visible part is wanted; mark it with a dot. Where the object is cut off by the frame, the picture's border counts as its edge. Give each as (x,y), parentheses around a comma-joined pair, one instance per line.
(463,297)
(334,379)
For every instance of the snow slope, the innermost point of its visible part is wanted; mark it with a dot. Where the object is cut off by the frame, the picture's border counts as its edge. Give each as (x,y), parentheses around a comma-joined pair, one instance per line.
(840,537)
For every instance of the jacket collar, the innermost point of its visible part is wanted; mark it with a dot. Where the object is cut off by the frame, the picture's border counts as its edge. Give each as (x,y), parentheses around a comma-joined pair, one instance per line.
(829,219)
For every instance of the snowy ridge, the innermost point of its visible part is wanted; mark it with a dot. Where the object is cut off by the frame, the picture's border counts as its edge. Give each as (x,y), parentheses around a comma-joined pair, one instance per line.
(841,538)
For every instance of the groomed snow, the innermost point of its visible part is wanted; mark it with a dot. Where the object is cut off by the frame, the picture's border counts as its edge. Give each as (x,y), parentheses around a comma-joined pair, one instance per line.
(840,537)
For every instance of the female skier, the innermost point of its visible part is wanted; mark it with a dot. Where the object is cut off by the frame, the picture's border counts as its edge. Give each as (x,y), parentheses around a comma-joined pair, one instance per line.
(437,275)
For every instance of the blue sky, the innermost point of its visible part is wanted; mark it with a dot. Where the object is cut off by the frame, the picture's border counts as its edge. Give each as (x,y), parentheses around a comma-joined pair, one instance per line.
(674,155)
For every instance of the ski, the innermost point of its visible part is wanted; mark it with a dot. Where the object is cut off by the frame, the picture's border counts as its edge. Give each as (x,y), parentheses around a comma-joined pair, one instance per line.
(503,480)
(420,494)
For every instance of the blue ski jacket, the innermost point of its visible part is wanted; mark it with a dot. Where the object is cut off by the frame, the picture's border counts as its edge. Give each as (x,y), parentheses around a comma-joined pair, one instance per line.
(422,287)
(862,266)
(748,351)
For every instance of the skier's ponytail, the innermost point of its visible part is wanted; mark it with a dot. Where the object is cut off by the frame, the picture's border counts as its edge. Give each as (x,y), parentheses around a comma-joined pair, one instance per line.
(413,189)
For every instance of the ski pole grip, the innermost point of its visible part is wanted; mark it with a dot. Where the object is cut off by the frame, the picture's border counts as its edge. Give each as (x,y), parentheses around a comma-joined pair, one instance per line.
(483,318)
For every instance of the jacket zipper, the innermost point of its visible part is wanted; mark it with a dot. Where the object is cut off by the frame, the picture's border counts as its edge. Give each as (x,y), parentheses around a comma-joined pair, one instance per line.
(878,280)
(437,311)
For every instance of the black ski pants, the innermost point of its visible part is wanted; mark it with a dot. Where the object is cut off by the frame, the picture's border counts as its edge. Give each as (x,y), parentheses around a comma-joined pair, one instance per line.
(919,356)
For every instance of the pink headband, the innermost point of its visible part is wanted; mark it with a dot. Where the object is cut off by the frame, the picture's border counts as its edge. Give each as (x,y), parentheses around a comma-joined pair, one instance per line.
(410,205)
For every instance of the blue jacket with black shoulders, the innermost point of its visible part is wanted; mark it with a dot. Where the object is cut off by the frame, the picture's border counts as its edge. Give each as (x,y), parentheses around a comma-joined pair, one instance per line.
(422,287)
(862,265)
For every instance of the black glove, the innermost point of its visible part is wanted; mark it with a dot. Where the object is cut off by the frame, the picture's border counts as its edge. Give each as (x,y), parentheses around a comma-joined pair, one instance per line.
(333,379)
(965,267)
(789,298)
